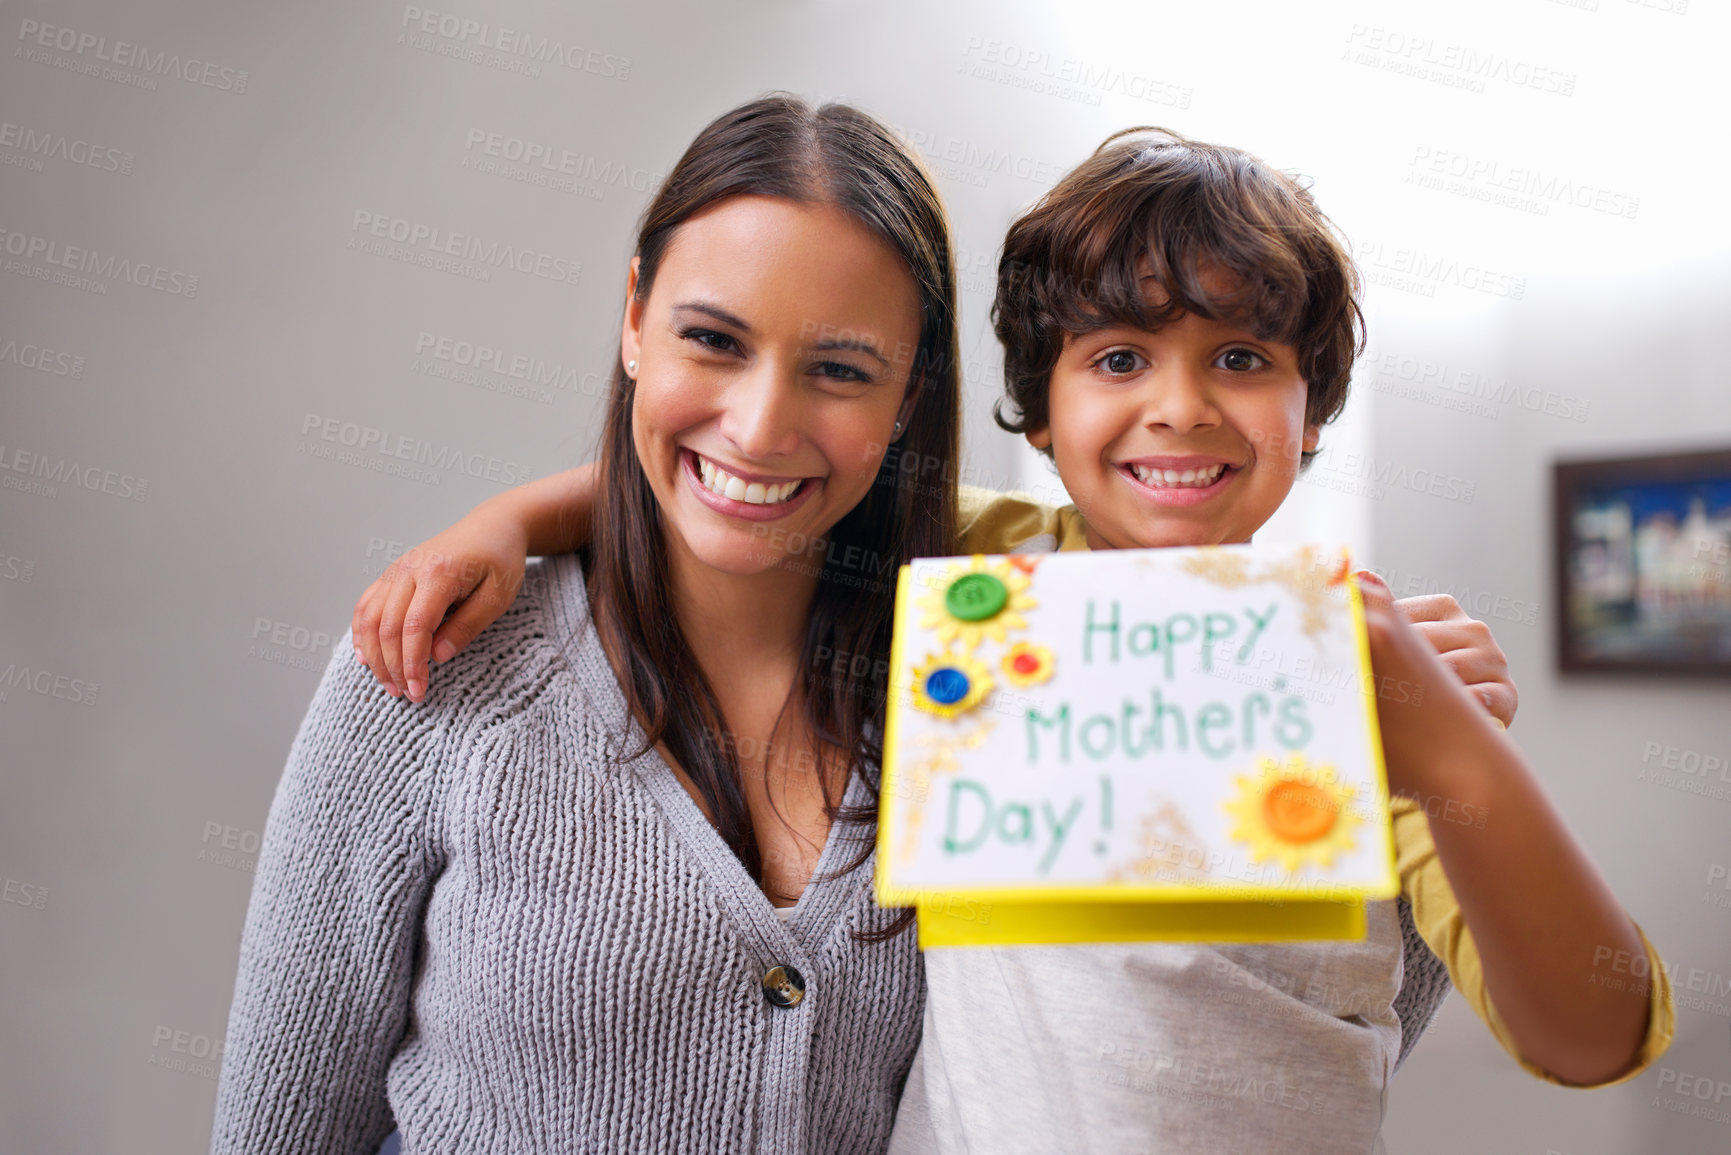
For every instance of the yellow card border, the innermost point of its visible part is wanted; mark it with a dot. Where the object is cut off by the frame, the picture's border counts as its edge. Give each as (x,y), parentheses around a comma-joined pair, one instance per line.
(963,922)
(889,801)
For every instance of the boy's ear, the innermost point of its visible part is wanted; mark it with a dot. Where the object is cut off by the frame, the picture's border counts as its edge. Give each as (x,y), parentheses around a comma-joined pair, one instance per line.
(1312,438)
(631,333)
(1040,438)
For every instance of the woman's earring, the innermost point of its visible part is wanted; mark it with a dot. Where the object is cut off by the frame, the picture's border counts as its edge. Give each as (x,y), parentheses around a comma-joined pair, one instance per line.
(897,431)
(631,368)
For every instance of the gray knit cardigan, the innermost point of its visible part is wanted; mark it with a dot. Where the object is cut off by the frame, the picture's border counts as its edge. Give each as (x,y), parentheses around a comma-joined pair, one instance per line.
(479,919)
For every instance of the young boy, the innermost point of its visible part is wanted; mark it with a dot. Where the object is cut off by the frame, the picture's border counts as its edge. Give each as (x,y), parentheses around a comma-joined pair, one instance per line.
(1179,322)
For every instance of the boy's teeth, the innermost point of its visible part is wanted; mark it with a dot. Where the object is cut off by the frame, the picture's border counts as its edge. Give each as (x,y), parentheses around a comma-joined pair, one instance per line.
(718,480)
(1193,478)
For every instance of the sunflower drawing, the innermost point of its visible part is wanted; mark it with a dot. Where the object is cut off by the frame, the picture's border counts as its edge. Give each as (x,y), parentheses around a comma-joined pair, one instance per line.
(979,600)
(1294,812)
(1027,664)
(950,683)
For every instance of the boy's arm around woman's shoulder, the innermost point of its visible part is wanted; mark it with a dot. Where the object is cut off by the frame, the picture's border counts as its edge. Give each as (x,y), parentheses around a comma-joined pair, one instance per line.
(327,953)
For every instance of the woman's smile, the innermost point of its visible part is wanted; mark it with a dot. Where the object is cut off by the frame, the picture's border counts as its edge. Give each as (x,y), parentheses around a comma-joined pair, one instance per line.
(735,492)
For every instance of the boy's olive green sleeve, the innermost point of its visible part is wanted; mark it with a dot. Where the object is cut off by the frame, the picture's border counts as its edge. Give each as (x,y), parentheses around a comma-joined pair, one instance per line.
(993,522)
(1437,915)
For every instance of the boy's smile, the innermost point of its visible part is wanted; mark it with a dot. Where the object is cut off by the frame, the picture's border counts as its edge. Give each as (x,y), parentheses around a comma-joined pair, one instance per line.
(1179,480)
(1189,435)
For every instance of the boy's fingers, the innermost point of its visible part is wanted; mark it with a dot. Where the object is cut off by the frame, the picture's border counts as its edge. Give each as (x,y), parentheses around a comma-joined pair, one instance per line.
(1469,652)
(1431,608)
(1466,634)
(1374,589)
(1498,699)
(399,595)
(1473,666)
(365,627)
(358,624)
(423,615)
(471,616)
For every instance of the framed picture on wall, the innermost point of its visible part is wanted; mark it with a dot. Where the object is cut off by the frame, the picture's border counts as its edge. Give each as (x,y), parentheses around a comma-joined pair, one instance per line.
(1643,564)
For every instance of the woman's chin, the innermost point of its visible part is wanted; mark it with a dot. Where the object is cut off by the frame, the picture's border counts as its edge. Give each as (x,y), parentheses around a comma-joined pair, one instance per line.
(742,554)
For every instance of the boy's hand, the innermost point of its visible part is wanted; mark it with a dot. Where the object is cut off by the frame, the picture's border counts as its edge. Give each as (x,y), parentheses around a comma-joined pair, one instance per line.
(1423,705)
(1464,644)
(477,563)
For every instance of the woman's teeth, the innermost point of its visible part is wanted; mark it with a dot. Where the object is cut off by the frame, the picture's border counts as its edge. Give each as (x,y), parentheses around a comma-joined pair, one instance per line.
(718,480)
(1178,478)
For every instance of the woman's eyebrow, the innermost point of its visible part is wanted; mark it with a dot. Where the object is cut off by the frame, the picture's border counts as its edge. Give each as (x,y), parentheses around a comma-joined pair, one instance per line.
(846,340)
(714,312)
(852,343)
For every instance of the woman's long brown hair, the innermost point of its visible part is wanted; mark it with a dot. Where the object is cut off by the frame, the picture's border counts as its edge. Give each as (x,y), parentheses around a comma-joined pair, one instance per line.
(780,146)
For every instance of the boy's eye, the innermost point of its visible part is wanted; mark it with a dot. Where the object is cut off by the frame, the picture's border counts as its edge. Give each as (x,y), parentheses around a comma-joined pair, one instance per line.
(1241,360)
(1119,362)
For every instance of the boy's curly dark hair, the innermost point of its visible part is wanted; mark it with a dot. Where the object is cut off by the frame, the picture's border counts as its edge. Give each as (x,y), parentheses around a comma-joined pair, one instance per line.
(1150,201)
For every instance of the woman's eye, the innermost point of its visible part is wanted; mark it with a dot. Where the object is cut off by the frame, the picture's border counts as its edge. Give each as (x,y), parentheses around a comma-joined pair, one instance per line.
(841,371)
(1119,362)
(1241,360)
(710,339)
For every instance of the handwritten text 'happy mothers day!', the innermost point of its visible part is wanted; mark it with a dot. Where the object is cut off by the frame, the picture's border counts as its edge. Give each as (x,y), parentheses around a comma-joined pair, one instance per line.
(1157,728)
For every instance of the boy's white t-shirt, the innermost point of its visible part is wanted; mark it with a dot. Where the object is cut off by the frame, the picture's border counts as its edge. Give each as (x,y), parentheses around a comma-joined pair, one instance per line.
(1156,1047)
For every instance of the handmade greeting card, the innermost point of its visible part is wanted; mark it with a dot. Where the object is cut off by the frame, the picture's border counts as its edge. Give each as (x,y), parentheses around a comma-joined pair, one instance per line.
(1134,744)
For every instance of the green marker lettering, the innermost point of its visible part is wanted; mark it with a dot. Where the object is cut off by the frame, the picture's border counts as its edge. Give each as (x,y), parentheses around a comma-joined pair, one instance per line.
(951,844)
(1089,628)
(1261,624)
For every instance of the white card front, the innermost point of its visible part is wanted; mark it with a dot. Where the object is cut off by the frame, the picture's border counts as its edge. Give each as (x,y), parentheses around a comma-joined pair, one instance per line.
(1146,721)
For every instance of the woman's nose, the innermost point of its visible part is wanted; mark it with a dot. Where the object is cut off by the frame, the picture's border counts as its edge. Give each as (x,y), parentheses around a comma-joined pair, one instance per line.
(764,411)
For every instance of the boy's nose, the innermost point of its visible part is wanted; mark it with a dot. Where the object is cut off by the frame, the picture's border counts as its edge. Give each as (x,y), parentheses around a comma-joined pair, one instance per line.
(1179,397)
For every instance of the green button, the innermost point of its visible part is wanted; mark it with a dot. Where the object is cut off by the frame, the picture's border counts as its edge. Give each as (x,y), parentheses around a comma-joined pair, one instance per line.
(975,597)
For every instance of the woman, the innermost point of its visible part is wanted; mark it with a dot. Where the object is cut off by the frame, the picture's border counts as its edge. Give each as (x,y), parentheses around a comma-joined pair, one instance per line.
(541,909)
